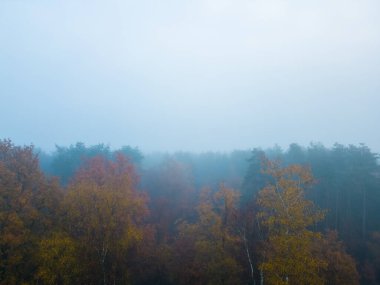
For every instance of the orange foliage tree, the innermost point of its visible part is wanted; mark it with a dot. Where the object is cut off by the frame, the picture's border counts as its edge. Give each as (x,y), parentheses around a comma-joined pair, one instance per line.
(341,268)
(104,214)
(28,203)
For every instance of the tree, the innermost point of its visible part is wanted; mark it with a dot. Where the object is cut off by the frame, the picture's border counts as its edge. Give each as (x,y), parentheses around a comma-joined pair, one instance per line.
(58,260)
(254,179)
(28,210)
(67,160)
(172,197)
(104,214)
(289,256)
(371,266)
(207,250)
(341,268)
(132,153)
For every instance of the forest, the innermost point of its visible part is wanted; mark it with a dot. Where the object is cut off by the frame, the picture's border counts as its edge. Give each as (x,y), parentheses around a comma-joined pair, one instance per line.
(93,215)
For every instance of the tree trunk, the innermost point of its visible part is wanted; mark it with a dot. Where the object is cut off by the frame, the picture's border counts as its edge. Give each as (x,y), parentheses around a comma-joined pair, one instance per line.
(364,214)
(248,256)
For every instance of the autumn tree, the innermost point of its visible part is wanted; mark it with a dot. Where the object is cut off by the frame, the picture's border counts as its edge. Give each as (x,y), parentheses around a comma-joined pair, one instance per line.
(341,267)
(172,196)
(370,268)
(104,214)
(171,200)
(289,256)
(28,204)
(208,248)
(64,162)
(58,260)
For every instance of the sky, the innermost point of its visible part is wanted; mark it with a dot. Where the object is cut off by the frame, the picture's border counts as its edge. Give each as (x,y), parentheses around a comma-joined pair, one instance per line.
(195,75)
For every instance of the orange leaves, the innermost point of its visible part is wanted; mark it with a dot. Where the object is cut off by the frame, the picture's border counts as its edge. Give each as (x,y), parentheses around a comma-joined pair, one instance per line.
(341,268)
(104,214)
(27,207)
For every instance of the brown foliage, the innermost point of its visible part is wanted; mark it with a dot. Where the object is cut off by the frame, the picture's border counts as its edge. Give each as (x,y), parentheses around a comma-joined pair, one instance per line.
(104,214)
(205,252)
(28,208)
(341,268)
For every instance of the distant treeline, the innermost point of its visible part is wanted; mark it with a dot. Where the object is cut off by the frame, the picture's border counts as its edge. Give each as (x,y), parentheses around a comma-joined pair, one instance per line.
(92,215)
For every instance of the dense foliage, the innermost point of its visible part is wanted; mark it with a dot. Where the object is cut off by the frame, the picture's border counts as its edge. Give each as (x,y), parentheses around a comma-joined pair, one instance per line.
(96,216)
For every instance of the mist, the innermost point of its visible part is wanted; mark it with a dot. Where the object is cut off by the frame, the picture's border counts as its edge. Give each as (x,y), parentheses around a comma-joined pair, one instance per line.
(173,142)
(193,76)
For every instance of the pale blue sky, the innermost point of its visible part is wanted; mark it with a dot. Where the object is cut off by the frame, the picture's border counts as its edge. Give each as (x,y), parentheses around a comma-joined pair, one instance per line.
(190,75)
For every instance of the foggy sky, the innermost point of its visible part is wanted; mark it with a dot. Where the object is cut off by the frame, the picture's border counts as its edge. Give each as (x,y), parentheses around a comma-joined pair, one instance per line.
(190,75)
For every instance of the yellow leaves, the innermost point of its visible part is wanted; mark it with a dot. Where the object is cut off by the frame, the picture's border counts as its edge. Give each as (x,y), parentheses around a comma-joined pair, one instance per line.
(132,236)
(101,211)
(287,215)
(213,241)
(103,214)
(228,196)
(284,203)
(58,258)
(14,231)
(26,210)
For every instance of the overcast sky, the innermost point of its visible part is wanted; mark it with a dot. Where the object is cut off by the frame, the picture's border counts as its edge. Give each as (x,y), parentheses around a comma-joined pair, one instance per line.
(190,75)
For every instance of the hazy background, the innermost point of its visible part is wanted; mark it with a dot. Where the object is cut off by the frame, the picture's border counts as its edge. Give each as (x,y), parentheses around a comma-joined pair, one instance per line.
(191,75)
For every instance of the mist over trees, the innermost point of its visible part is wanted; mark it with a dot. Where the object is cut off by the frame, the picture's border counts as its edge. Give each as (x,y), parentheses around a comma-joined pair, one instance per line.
(93,215)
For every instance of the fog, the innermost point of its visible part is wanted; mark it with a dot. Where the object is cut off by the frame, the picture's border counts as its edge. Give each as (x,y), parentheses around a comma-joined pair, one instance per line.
(190,75)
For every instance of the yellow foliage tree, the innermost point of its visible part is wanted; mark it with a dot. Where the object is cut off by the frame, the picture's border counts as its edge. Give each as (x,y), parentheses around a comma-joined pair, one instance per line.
(59,260)
(28,203)
(104,213)
(289,255)
(208,248)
